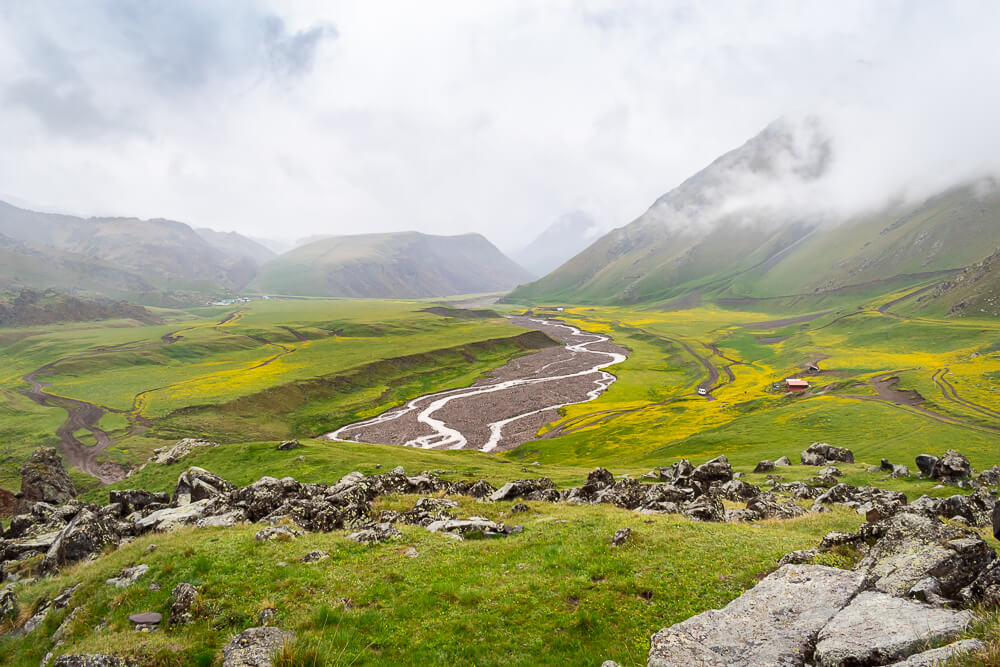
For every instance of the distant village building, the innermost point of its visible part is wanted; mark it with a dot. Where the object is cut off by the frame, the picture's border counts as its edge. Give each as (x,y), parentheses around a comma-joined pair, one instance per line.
(795,384)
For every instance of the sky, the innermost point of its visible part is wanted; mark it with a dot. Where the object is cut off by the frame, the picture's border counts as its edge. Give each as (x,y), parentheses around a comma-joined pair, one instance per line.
(296,118)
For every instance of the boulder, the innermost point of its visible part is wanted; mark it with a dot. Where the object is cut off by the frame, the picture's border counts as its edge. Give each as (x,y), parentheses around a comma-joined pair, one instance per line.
(128,576)
(990,477)
(255,647)
(473,525)
(227,520)
(621,536)
(434,504)
(9,608)
(289,445)
(182,600)
(783,461)
(876,629)
(737,490)
(976,508)
(315,556)
(93,660)
(985,589)
(84,536)
(171,455)
(705,508)
(773,623)
(913,547)
(800,557)
(600,478)
(830,471)
(532,489)
(826,453)
(926,463)
(480,489)
(952,467)
(44,479)
(716,470)
(768,506)
(134,500)
(171,518)
(936,657)
(764,466)
(378,532)
(279,533)
(196,484)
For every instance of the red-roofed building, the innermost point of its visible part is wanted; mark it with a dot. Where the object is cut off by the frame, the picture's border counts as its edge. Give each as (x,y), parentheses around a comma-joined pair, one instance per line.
(795,384)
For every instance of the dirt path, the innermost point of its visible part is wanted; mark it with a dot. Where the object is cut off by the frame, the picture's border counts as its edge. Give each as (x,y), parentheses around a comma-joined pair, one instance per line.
(949,392)
(82,415)
(508,408)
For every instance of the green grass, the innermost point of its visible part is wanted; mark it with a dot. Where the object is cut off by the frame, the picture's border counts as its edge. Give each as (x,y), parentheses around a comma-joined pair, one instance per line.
(557,594)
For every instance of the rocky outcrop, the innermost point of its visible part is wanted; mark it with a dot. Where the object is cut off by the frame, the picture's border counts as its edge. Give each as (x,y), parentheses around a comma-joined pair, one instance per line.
(171,455)
(85,535)
(379,532)
(937,657)
(745,634)
(196,484)
(43,479)
(255,647)
(926,463)
(529,489)
(182,602)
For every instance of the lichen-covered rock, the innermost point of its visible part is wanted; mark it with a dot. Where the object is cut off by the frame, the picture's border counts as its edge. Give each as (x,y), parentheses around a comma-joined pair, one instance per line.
(773,623)
(171,455)
(524,488)
(737,490)
(171,518)
(378,532)
(196,484)
(128,576)
(84,536)
(926,463)
(717,470)
(44,479)
(764,466)
(875,629)
(8,603)
(289,445)
(255,647)
(822,453)
(705,508)
(990,477)
(134,500)
(768,506)
(783,461)
(976,508)
(183,597)
(913,547)
(621,536)
(315,556)
(937,657)
(952,467)
(279,533)
(93,660)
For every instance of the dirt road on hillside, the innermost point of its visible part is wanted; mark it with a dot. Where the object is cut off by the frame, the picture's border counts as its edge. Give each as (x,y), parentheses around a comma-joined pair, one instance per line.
(509,407)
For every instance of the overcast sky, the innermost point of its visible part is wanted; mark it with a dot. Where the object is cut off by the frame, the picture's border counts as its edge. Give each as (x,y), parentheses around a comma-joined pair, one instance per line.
(286,119)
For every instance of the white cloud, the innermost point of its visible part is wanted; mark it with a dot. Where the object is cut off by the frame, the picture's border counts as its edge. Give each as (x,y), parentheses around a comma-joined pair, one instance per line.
(291,119)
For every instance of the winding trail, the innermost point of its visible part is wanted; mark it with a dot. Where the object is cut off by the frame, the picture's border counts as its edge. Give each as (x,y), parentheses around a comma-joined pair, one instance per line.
(83,415)
(507,409)
(951,394)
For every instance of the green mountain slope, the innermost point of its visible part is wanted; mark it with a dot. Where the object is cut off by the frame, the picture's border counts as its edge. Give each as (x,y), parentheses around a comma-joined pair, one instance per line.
(974,292)
(708,238)
(394,265)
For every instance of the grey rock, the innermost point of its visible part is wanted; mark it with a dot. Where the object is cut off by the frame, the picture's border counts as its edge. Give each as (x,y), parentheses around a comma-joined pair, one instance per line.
(705,508)
(812,459)
(255,647)
(84,536)
(227,520)
(764,466)
(171,518)
(876,629)
(716,470)
(196,484)
(524,488)
(926,463)
(800,557)
(913,547)
(266,615)
(621,536)
(183,597)
(379,532)
(434,504)
(9,608)
(315,556)
(783,461)
(977,508)
(146,621)
(938,657)
(990,477)
(289,445)
(831,471)
(281,533)
(133,500)
(466,526)
(774,623)
(171,455)
(44,479)
(826,453)
(519,507)
(741,516)
(768,506)
(951,467)
(128,576)
(93,660)
(737,490)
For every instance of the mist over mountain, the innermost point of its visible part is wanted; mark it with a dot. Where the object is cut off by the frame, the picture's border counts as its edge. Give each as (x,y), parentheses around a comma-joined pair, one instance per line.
(564,238)
(394,265)
(755,223)
(237,245)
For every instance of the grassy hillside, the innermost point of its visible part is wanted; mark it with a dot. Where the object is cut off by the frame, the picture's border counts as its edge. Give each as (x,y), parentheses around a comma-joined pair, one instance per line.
(397,265)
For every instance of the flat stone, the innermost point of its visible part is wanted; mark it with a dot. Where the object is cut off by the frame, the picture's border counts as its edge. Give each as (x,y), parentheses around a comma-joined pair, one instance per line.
(877,628)
(170,518)
(146,618)
(773,623)
(938,656)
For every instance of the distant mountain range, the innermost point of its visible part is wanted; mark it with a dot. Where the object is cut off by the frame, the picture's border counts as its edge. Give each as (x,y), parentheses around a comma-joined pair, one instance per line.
(392,265)
(560,241)
(718,236)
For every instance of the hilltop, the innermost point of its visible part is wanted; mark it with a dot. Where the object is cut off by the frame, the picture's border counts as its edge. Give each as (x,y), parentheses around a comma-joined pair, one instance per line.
(564,238)
(720,236)
(392,265)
